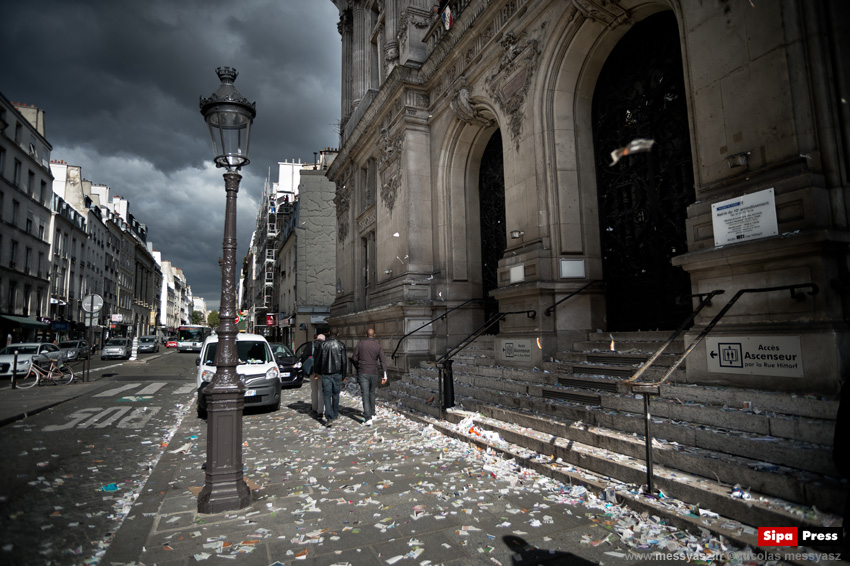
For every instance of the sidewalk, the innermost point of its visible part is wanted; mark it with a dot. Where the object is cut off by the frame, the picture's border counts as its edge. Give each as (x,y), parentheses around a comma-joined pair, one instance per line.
(397,493)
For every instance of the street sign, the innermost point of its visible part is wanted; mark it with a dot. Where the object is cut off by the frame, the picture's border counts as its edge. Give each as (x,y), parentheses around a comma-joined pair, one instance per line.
(92,303)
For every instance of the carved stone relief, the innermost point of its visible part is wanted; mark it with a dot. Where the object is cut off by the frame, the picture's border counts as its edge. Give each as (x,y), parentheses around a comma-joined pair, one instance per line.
(342,200)
(510,84)
(602,11)
(342,230)
(389,148)
(389,191)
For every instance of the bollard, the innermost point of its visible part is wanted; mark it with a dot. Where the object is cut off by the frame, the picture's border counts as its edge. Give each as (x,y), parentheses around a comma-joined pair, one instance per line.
(448,385)
(15,371)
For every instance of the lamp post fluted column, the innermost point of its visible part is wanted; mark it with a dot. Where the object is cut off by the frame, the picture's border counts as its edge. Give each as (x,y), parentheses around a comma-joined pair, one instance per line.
(229,116)
(225,488)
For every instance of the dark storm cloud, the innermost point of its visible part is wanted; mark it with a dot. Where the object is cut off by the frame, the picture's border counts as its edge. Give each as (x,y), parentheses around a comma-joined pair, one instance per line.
(120,80)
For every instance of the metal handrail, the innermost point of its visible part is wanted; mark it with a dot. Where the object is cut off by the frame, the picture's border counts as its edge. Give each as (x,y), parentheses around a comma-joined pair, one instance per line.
(792,288)
(444,315)
(649,389)
(498,317)
(444,363)
(548,311)
(705,300)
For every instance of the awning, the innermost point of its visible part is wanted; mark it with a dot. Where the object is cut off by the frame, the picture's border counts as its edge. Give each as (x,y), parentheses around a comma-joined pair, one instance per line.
(23,321)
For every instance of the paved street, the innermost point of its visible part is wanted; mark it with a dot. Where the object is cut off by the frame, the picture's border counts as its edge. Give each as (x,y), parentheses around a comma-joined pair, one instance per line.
(111,476)
(72,470)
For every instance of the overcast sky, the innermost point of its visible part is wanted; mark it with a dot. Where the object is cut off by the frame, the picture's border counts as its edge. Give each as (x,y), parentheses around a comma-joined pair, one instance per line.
(120,80)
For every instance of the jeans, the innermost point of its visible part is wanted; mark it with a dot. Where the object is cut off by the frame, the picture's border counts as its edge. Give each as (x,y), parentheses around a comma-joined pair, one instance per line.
(315,385)
(368,386)
(331,385)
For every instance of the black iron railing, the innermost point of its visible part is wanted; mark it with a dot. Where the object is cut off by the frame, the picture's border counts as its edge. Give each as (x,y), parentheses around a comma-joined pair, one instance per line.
(551,309)
(444,363)
(444,315)
(647,390)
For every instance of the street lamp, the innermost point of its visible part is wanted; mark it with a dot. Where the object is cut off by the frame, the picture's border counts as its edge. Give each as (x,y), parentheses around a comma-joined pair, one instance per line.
(229,116)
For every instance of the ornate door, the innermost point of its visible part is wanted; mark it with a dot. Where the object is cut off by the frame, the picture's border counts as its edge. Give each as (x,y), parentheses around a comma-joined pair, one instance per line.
(644,196)
(491,197)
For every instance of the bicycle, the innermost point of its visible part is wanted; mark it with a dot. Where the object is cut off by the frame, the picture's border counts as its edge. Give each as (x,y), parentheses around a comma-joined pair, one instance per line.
(58,373)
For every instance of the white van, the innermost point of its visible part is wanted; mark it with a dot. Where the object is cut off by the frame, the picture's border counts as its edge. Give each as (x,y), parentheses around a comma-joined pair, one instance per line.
(257,369)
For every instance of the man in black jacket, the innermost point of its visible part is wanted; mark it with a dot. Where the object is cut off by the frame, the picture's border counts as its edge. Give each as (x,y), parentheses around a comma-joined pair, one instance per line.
(330,364)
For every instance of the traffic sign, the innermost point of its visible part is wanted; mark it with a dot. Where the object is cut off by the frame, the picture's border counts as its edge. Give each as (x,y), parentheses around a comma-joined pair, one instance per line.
(92,303)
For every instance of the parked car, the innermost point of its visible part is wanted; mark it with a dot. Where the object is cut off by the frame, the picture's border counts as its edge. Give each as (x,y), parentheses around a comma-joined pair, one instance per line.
(171,342)
(119,348)
(148,344)
(288,364)
(257,369)
(28,352)
(75,350)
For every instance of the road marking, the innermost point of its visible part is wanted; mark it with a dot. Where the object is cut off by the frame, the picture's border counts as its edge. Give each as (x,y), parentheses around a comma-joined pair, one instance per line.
(117,390)
(185,389)
(119,412)
(151,389)
(98,417)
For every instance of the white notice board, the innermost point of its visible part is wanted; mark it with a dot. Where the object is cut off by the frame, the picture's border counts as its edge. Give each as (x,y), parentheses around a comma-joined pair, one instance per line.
(755,355)
(748,217)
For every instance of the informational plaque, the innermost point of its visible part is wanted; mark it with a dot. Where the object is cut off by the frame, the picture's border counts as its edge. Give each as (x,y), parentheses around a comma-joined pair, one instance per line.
(516,350)
(748,217)
(755,355)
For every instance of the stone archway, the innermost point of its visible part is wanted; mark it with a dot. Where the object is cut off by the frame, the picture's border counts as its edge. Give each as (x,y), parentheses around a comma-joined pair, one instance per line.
(643,197)
(491,206)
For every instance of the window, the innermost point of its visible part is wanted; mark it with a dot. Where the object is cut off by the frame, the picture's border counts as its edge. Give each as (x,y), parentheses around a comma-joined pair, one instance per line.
(12,298)
(27,298)
(16,206)
(40,265)
(29,226)
(28,260)
(13,253)
(18,131)
(2,161)
(17,175)
(42,191)
(30,183)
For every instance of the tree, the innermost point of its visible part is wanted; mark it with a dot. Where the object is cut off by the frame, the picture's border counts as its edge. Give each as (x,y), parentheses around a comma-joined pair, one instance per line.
(197,317)
(213,320)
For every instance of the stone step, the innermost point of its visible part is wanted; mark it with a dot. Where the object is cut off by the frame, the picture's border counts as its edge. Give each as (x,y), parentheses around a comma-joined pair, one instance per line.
(733,448)
(776,414)
(760,508)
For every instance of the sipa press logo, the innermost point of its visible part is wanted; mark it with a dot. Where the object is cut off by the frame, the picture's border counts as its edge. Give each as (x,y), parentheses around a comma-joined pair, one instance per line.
(792,536)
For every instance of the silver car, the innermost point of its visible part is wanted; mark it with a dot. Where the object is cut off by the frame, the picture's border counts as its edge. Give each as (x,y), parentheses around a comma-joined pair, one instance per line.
(28,352)
(74,350)
(119,348)
(148,344)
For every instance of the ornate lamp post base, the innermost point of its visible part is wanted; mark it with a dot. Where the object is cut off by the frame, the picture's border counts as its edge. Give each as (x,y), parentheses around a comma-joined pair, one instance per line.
(224,488)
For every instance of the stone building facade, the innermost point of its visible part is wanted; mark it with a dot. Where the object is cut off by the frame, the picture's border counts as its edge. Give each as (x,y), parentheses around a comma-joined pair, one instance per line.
(477,169)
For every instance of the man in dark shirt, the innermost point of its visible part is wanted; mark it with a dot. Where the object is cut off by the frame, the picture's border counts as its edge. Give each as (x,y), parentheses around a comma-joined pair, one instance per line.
(366,356)
(330,364)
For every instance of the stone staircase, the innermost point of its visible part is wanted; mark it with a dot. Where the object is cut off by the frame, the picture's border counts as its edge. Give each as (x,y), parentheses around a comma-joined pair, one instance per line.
(575,413)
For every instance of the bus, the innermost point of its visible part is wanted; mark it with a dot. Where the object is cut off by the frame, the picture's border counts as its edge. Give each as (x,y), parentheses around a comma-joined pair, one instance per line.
(190,337)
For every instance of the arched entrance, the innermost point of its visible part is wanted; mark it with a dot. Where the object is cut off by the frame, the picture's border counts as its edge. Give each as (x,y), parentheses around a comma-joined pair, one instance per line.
(491,198)
(643,197)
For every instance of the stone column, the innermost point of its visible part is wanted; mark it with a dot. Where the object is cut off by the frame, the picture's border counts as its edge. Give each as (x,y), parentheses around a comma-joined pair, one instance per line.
(358,61)
(344,28)
(390,33)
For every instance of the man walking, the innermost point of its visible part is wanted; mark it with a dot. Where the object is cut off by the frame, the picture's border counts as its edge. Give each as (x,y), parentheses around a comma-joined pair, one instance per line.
(308,359)
(366,356)
(330,364)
